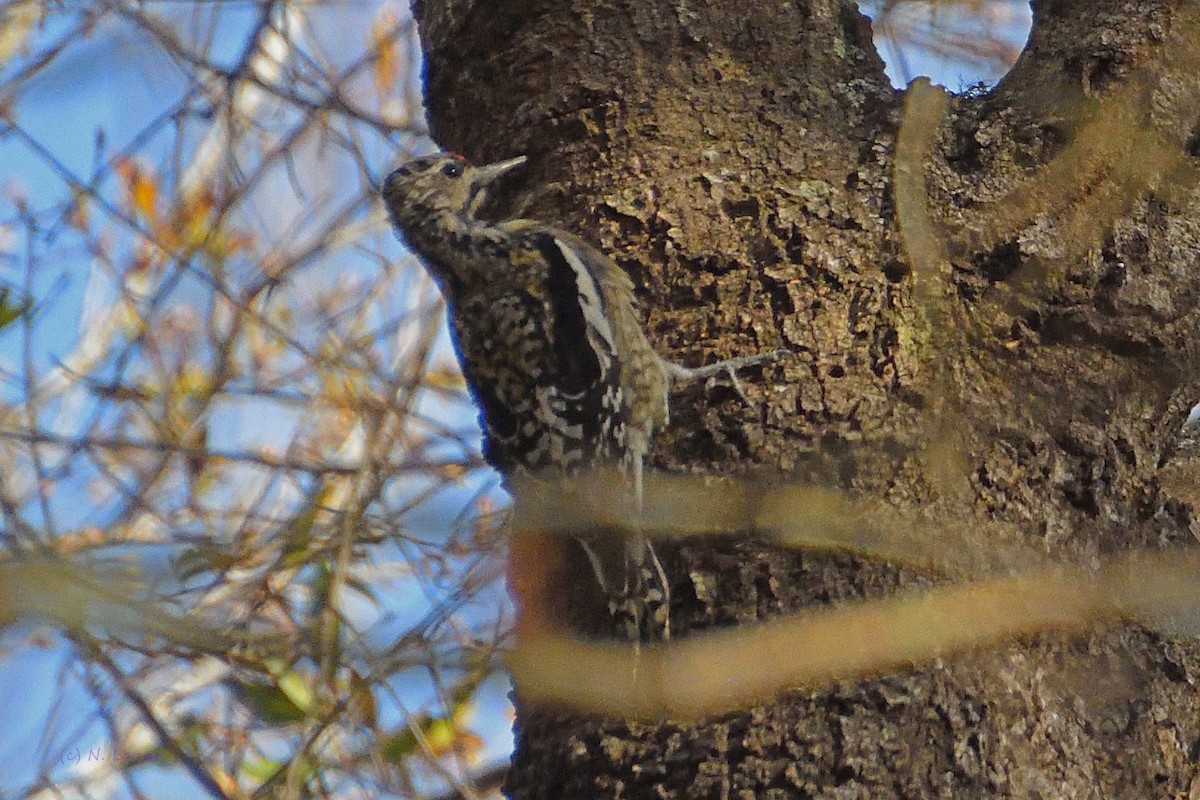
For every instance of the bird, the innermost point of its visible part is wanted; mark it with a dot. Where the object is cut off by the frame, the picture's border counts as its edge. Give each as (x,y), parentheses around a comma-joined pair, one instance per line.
(551,344)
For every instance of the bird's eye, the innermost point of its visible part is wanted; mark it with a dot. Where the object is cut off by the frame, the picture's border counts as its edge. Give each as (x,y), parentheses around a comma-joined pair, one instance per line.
(452,169)
(404,171)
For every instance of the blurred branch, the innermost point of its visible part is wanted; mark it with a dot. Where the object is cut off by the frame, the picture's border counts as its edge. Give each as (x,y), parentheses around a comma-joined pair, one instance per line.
(254,397)
(718,672)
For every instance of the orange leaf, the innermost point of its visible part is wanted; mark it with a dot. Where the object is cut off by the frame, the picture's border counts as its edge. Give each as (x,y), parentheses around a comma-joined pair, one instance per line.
(140,187)
(387,56)
(77,212)
(193,218)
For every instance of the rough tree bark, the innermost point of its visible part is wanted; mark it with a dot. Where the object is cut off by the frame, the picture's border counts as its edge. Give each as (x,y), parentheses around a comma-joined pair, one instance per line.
(737,158)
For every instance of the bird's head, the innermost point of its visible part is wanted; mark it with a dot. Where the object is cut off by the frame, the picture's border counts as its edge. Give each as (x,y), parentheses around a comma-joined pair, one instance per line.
(439,184)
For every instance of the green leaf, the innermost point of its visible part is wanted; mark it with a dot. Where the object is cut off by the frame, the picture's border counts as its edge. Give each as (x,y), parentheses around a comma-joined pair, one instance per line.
(269,702)
(11,309)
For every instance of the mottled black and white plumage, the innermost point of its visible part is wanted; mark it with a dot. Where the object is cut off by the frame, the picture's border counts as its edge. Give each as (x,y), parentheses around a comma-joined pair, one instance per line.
(546,325)
(551,345)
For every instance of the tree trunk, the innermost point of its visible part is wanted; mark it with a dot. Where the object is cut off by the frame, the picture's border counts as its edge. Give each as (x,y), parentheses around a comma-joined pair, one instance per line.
(737,158)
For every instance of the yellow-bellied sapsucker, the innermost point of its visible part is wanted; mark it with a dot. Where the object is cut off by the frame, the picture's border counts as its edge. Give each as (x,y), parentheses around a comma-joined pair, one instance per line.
(550,342)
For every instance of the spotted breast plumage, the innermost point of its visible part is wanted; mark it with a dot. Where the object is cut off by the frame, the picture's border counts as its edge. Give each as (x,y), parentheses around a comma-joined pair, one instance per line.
(551,344)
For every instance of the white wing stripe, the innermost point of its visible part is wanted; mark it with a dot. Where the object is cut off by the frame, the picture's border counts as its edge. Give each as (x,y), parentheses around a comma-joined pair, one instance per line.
(598,326)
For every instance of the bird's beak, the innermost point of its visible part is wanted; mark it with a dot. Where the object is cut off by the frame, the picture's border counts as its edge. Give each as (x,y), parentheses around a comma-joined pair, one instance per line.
(490,172)
(483,177)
